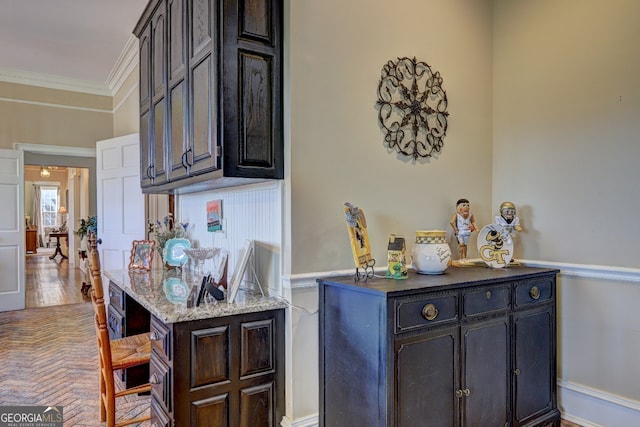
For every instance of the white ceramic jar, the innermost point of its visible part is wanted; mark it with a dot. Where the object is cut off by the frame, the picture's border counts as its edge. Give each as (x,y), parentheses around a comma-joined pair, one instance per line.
(431,253)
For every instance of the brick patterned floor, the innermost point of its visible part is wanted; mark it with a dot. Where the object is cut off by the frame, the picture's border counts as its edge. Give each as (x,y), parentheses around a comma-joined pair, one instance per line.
(49,357)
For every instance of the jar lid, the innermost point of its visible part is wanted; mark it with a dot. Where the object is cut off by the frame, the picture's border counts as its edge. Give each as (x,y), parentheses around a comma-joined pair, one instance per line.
(431,233)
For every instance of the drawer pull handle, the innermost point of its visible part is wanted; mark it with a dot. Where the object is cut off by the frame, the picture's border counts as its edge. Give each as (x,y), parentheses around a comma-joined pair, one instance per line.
(534,292)
(516,372)
(466,392)
(153,336)
(154,379)
(430,312)
(458,393)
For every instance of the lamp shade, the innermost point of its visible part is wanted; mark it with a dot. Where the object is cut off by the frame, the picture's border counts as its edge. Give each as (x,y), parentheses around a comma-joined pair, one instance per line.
(62,210)
(44,172)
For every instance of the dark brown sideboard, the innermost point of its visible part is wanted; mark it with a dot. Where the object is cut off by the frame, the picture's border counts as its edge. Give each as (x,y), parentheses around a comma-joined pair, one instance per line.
(472,347)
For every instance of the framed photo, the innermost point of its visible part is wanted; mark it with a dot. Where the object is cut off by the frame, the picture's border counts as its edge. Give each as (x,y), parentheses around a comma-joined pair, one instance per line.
(141,255)
(238,273)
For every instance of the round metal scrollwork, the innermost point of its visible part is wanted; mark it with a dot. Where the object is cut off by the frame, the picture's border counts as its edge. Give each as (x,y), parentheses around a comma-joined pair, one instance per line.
(412,108)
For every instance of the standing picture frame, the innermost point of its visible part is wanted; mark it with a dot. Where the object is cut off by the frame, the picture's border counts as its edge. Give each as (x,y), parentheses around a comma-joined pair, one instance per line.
(240,270)
(141,255)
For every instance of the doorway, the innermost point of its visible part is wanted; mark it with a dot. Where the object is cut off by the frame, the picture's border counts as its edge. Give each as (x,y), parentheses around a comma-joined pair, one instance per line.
(55,198)
(57,281)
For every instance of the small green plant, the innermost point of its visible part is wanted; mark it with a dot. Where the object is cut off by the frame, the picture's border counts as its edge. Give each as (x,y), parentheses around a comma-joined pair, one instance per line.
(87,225)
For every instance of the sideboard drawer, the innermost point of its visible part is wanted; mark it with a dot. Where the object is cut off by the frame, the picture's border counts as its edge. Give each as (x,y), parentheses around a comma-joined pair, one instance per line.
(115,320)
(116,296)
(485,301)
(161,339)
(160,380)
(534,292)
(421,312)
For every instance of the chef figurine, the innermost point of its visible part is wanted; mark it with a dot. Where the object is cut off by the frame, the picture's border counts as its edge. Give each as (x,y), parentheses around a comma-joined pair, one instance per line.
(463,223)
(508,220)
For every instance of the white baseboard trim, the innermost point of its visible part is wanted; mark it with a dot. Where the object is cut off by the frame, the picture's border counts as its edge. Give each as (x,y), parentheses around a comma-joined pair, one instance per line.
(596,408)
(308,421)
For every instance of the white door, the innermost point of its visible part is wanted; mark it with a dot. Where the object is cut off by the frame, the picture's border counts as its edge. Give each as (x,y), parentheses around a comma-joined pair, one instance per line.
(12,238)
(120,200)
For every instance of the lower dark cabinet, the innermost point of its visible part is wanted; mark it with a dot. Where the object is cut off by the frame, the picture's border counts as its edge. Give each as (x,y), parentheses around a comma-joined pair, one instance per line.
(472,347)
(223,372)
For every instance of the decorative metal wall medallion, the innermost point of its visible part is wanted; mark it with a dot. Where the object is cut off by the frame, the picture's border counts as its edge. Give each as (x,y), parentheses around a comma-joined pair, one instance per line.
(412,108)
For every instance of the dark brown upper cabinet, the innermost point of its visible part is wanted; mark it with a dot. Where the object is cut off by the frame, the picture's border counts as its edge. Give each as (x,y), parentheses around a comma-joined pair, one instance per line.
(210,93)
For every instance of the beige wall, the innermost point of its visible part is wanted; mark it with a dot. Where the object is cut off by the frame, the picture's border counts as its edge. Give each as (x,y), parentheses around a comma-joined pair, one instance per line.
(565,150)
(337,152)
(34,115)
(126,106)
(566,128)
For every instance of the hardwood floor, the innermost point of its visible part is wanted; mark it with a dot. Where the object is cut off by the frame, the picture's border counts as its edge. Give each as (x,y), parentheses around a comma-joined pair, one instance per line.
(52,282)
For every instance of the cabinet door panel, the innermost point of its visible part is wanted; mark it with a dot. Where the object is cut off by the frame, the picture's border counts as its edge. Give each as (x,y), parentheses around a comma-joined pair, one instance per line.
(486,374)
(176,147)
(252,89)
(158,146)
(256,406)
(534,364)
(255,19)
(426,372)
(158,95)
(256,348)
(203,117)
(213,411)
(210,356)
(177,52)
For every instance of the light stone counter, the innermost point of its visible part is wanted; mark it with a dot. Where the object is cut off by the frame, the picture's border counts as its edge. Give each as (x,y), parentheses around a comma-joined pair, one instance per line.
(163,293)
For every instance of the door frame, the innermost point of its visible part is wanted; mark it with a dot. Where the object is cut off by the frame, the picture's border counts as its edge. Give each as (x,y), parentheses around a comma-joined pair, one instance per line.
(59,150)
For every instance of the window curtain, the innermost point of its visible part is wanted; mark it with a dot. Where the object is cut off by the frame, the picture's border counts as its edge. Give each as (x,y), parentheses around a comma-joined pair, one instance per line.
(36,215)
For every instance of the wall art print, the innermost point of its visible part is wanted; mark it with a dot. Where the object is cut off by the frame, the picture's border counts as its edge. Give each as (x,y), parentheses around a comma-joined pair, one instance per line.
(214,215)
(412,108)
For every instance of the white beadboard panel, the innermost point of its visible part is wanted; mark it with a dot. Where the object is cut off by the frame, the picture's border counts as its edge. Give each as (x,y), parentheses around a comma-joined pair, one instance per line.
(250,212)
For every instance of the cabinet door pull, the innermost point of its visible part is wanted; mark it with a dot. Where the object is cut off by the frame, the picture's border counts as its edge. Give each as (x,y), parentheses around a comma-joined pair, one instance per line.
(516,372)
(466,392)
(430,312)
(154,379)
(189,151)
(184,160)
(153,336)
(458,393)
(534,292)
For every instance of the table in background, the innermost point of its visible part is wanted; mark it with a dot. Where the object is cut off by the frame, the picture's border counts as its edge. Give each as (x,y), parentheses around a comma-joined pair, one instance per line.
(58,236)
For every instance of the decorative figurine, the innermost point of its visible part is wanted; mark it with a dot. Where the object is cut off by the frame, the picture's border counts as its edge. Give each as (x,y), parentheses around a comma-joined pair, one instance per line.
(495,246)
(357,226)
(509,220)
(463,223)
(396,258)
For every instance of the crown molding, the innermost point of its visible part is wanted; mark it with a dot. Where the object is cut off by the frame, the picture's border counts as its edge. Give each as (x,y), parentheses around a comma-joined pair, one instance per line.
(52,82)
(124,66)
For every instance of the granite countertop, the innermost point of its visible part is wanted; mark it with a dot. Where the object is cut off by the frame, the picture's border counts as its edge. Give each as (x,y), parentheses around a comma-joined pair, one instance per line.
(164,294)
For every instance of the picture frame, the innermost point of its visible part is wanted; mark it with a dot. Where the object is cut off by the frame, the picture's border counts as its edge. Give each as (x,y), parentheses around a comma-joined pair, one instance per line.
(141,255)
(239,272)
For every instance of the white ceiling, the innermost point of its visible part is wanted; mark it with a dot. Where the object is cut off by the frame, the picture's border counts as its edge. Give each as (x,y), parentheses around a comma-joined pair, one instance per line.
(65,40)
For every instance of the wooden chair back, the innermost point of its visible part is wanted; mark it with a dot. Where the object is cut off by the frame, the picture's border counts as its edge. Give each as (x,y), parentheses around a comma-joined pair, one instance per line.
(113,354)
